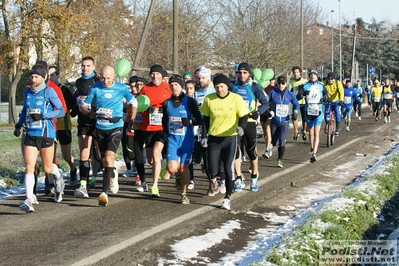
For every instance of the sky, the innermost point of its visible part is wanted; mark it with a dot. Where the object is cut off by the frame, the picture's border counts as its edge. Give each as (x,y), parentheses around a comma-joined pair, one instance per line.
(381,10)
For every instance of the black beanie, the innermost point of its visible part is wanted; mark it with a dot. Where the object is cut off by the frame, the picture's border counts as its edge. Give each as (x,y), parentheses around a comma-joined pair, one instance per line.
(244,66)
(133,79)
(156,68)
(42,64)
(220,78)
(38,71)
(177,80)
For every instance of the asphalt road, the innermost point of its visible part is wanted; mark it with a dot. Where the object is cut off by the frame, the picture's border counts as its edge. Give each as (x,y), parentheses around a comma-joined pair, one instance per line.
(137,229)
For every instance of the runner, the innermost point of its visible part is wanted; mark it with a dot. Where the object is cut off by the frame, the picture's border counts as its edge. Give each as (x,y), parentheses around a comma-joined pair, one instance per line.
(375,99)
(225,117)
(314,93)
(388,97)
(335,96)
(350,97)
(280,99)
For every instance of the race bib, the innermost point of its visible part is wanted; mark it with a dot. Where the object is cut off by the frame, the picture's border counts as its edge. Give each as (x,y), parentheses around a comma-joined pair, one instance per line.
(30,122)
(314,95)
(282,110)
(313,109)
(156,117)
(176,126)
(377,99)
(388,96)
(347,99)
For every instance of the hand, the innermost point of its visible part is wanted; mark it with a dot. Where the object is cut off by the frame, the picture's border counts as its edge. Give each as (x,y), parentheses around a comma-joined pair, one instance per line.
(254,115)
(294,116)
(37,117)
(204,143)
(270,114)
(92,115)
(240,131)
(186,122)
(151,109)
(341,103)
(306,93)
(132,125)
(17,131)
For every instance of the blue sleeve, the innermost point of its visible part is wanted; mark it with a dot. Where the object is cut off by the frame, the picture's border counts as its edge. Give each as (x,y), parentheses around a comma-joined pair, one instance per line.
(91,94)
(262,98)
(22,116)
(56,102)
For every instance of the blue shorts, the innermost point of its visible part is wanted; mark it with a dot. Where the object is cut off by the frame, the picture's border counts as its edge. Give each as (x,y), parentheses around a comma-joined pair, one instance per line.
(314,122)
(279,133)
(176,153)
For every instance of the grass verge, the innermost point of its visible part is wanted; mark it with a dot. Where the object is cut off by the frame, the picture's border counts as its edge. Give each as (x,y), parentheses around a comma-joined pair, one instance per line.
(346,217)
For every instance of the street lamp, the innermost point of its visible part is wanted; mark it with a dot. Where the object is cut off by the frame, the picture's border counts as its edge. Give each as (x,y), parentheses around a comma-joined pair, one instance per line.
(332,42)
(340,42)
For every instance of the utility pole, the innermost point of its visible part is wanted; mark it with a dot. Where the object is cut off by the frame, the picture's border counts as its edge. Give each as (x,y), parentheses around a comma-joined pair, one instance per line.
(302,34)
(332,42)
(143,37)
(175,37)
(353,55)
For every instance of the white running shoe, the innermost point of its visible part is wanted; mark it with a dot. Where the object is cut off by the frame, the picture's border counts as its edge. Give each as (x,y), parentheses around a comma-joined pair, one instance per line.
(143,187)
(226,204)
(191,185)
(26,206)
(114,186)
(268,153)
(222,187)
(81,192)
(34,200)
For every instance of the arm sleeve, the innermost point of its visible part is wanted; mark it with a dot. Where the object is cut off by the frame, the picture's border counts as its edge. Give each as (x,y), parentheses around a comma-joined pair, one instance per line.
(193,107)
(165,117)
(205,126)
(56,102)
(242,121)
(22,117)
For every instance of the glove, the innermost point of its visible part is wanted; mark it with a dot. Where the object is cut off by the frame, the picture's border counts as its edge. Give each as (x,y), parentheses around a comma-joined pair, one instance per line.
(324,100)
(270,114)
(186,122)
(151,109)
(92,115)
(131,125)
(17,131)
(254,115)
(294,116)
(204,143)
(341,103)
(37,117)
(306,93)
(240,131)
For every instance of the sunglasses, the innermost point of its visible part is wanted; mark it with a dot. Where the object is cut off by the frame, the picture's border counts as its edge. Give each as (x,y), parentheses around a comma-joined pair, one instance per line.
(281,83)
(242,72)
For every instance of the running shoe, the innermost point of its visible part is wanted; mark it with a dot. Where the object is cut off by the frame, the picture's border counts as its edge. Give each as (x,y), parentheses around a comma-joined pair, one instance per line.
(50,191)
(356,113)
(222,187)
(155,191)
(81,193)
(58,197)
(178,181)
(347,129)
(191,185)
(268,153)
(389,119)
(385,120)
(296,135)
(238,184)
(360,118)
(213,189)
(226,204)
(26,206)
(243,158)
(254,184)
(336,133)
(138,181)
(313,158)
(143,187)
(128,173)
(92,182)
(103,199)
(304,135)
(114,186)
(279,163)
(34,200)
(184,199)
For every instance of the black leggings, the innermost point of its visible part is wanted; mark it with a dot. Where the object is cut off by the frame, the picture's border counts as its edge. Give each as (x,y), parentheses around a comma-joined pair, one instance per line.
(222,149)
(138,152)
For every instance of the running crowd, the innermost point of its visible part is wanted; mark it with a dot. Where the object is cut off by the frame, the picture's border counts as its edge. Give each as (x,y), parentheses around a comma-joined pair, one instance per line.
(188,120)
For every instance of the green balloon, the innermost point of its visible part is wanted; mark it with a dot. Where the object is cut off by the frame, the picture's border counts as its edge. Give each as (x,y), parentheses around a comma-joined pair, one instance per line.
(267,74)
(257,73)
(263,83)
(122,68)
(143,102)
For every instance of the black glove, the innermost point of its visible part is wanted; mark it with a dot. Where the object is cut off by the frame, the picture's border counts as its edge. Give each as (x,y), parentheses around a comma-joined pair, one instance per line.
(131,125)
(341,103)
(270,114)
(92,115)
(324,100)
(37,117)
(151,109)
(17,131)
(294,116)
(254,115)
(306,93)
(186,122)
